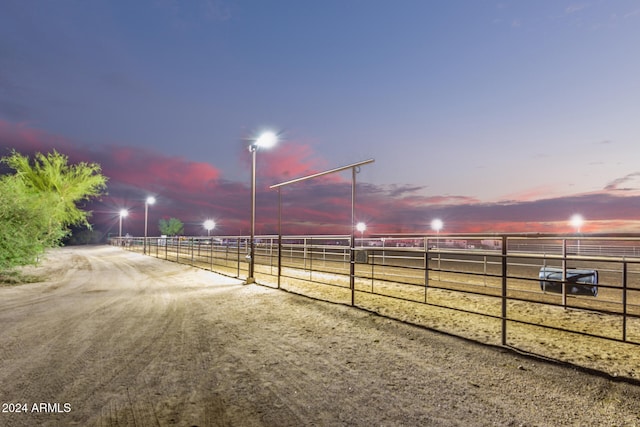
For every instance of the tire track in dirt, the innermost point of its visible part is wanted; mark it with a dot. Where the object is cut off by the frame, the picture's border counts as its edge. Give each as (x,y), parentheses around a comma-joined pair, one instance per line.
(131,340)
(81,347)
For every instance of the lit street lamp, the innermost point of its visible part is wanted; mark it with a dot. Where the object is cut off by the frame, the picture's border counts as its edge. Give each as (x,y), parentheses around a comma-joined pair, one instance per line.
(577,221)
(150,201)
(361,226)
(123,214)
(266,140)
(209,225)
(437,225)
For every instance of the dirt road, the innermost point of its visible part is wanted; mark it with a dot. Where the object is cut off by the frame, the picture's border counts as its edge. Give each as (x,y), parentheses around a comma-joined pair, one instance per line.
(113,338)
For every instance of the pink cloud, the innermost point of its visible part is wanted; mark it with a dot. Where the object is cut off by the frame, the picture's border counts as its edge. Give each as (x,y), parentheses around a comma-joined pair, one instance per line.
(534,193)
(193,191)
(22,137)
(145,168)
(290,160)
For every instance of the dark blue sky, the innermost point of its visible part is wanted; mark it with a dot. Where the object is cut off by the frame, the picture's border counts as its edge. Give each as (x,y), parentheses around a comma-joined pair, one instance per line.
(463,104)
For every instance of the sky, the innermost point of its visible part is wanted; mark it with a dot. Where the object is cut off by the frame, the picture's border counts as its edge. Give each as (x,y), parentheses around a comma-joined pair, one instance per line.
(494,116)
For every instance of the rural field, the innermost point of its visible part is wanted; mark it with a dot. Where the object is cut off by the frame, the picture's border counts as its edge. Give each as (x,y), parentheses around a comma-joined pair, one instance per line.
(107,337)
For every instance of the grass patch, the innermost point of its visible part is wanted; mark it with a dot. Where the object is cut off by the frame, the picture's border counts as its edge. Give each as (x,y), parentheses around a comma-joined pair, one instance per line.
(14,278)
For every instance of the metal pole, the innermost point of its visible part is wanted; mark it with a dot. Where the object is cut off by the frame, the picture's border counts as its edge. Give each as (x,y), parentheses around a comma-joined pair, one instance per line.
(504,290)
(373,262)
(426,267)
(304,253)
(564,273)
(146,213)
(120,231)
(352,257)
(624,301)
(485,271)
(279,235)
(310,253)
(353,196)
(238,257)
(250,278)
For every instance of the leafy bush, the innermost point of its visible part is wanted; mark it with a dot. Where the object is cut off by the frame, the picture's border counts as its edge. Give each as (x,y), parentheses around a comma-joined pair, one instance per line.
(171,227)
(38,204)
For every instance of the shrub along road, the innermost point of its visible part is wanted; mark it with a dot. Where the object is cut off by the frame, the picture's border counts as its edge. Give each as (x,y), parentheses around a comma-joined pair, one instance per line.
(113,338)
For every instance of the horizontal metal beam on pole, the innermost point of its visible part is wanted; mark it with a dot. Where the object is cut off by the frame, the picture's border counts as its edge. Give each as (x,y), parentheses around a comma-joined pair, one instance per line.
(315,175)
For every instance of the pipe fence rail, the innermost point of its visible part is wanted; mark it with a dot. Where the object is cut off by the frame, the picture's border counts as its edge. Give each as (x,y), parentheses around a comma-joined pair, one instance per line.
(514,281)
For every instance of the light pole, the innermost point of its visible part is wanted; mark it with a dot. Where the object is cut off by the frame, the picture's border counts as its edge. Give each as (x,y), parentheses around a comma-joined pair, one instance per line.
(150,201)
(123,214)
(209,225)
(361,226)
(266,140)
(437,225)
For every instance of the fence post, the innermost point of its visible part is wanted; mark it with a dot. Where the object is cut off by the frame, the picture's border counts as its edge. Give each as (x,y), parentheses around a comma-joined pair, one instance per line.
(304,253)
(310,253)
(426,267)
(279,235)
(485,271)
(373,263)
(352,239)
(624,300)
(564,273)
(279,257)
(504,290)
(211,254)
(238,245)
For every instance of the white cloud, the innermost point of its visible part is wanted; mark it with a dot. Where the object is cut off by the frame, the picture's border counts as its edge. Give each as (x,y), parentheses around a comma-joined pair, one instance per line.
(574,8)
(632,13)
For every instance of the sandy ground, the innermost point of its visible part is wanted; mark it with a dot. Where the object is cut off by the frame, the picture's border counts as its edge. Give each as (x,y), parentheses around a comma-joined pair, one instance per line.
(113,338)
(406,303)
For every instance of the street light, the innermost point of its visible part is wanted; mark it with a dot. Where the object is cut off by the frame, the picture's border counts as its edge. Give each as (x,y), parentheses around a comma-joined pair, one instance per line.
(150,201)
(266,140)
(437,225)
(577,221)
(209,225)
(123,214)
(361,226)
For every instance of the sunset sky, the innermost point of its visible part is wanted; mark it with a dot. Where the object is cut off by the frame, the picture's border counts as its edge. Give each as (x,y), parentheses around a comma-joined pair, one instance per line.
(495,116)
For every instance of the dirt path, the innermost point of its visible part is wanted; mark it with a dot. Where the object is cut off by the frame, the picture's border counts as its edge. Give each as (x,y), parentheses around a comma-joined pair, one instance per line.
(114,338)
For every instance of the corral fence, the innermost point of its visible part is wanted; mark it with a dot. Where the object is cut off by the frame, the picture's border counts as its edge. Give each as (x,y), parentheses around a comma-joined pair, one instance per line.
(587,285)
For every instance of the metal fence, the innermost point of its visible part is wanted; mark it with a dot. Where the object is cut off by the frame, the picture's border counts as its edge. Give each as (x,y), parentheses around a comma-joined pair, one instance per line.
(585,285)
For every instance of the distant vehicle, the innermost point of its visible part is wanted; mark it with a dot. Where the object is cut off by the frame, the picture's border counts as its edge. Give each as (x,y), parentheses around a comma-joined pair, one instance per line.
(579,282)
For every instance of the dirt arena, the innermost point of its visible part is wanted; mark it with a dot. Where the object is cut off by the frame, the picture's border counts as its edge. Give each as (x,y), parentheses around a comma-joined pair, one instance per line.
(114,338)
(613,358)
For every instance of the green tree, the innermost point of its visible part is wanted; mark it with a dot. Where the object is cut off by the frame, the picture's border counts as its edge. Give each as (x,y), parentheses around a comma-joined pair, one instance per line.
(24,224)
(171,227)
(38,204)
(67,184)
